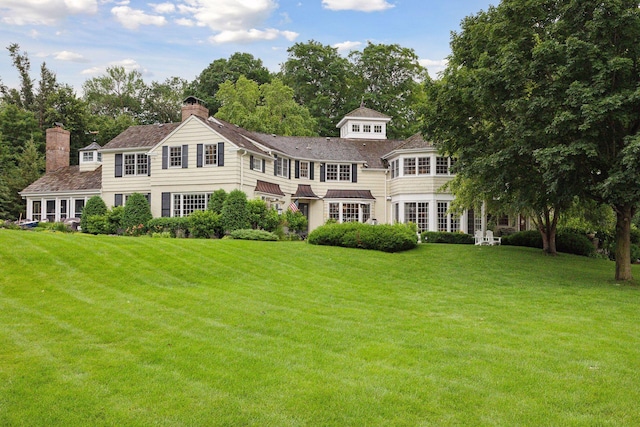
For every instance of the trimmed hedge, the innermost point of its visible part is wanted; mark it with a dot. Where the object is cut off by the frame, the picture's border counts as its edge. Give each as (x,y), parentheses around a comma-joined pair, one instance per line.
(176,226)
(204,225)
(446,237)
(251,234)
(566,241)
(383,237)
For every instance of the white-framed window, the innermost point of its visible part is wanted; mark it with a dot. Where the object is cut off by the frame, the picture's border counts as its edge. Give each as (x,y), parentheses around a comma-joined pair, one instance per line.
(282,167)
(350,211)
(100,157)
(377,128)
(185,204)
(135,164)
(418,213)
(338,172)
(64,211)
(366,128)
(443,217)
(355,128)
(395,168)
(409,166)
(424,166)
(256,164)
(36,210)
(443,165)
(87,156)
(175,156)
(304,170)
(78,206)
(210,154)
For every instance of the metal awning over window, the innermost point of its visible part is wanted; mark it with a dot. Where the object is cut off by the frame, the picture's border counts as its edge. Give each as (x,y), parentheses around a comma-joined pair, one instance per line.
(304,191)
(268,188)
(349,194)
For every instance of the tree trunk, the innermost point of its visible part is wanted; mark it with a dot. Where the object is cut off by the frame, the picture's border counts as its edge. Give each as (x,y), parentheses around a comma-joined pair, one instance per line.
(547,227)
(624,215)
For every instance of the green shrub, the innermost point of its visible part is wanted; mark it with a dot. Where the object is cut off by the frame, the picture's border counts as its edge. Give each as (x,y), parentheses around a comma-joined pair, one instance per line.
(235,215)
(296,221)
(384,237)
(216,201)
(94,206)
(136,214)
(261,217)
(95,224)
(114,220)
(566,241)
(176,226)
(445,237)
(251,234)
(204,224)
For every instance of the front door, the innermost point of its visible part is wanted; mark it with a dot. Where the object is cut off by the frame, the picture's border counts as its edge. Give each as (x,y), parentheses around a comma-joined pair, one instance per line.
(304,208)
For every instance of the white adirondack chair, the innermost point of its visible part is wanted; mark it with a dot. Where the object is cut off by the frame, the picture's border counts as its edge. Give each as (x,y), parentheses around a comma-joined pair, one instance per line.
(490,240)
(479,238)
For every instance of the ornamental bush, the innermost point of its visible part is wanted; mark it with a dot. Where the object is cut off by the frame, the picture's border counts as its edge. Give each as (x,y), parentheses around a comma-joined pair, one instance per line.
(566,241)
(216,201)
(94,206)
(175,226)
(136,214)
(261,217)
(446,237)
(251,234)
(235,214)
(204,225)
(383,237)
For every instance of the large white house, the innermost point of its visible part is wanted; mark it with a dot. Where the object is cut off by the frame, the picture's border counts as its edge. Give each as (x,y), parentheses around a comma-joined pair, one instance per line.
(361,176)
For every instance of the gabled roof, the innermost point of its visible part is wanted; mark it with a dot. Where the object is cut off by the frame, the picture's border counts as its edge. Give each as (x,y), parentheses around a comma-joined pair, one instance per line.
(93,146)
(142,136)
(67,179)
(364,112)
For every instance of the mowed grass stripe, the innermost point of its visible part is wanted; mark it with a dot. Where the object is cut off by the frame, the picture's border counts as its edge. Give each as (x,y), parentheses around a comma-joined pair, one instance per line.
(183,332)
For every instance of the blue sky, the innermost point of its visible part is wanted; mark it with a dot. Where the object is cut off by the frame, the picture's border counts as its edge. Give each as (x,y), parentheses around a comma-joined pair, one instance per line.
(79,39)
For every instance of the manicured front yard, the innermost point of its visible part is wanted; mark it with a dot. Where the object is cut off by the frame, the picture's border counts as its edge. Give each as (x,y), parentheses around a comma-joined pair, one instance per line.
(139,331)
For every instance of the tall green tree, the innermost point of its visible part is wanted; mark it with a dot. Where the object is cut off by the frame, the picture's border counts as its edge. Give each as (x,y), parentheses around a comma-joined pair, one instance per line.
(389,79)
(322,81)
(268,108)
(117,92)
(162,102)
(206,85)
(553,86)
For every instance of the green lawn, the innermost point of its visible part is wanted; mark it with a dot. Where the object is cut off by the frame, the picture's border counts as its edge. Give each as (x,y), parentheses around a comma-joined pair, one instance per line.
(101,330)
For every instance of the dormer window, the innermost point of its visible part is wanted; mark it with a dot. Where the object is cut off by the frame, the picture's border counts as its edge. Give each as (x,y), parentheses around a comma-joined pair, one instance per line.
(355,128)
(87,156)
(377,128)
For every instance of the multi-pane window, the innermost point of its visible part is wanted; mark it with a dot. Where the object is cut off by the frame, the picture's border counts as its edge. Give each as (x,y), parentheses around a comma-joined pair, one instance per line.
(79,206)
(349,211)
(409,166)
(377,128)
(418,213)
(443,217)
(185,204)
(51,210)
(135,164)
(355,128)
(455,223)
(211,154)
(336,172)
(256,164)
(424,166)
(36,210)
(304,170)
(63,209)
(395,166)
(442,165)
(366,128)
(175,156)
(87,156)
(282,167)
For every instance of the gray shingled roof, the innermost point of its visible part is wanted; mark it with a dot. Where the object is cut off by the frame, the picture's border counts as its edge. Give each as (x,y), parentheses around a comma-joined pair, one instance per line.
(67,179)
(93,146)
(145,136)
(415,141)
(367,113)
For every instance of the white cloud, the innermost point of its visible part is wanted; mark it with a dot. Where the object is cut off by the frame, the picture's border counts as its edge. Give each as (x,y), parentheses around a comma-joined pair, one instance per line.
(229,15)
(163,7)
(434,66)
(133,18)
(357,5)
(39,12)
(128,65)
(34,34)
(185,22)
(246,36)
(347,46)
(65,55)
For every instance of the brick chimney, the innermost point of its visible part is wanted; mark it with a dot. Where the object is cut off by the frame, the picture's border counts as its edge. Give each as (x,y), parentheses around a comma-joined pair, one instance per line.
(58,147)
(193,106)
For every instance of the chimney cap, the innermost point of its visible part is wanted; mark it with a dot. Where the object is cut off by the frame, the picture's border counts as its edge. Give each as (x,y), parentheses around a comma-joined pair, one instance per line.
(190,100)
(58,125)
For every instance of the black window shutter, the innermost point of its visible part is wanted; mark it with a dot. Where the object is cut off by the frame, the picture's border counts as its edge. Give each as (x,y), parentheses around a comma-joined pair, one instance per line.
(149,198)
(289,167)
(185,156)
(148,165)
(199,155)
(165,157)
(322,172)
(311,171)
(118,200)
(220,153)
(251,162)
(297,168)
(275,165)
(354,172)
(264,165)
(118,165)
(166,204)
